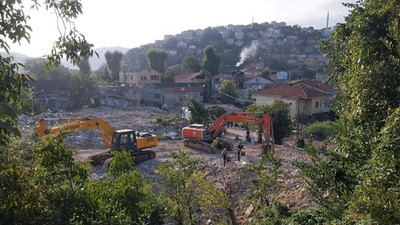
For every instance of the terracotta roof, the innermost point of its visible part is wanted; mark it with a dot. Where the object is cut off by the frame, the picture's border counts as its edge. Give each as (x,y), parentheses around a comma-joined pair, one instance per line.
(186,77)
(291,92)
(317,84)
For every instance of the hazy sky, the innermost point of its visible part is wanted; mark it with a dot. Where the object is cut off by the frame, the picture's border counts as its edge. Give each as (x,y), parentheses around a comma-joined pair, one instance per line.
(131,23)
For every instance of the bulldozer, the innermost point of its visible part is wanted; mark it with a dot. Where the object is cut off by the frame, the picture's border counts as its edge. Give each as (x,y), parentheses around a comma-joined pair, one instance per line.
(137,143)
(199,136)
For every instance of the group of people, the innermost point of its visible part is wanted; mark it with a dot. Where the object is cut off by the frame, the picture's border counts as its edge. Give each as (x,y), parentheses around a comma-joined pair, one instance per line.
(239,153)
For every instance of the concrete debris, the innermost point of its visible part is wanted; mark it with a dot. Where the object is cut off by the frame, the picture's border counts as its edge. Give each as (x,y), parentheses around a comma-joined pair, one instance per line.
(141,118)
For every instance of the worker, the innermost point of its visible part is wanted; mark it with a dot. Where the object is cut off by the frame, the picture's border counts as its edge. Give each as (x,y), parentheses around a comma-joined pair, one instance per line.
(223,156)
(248,135)
(240,147)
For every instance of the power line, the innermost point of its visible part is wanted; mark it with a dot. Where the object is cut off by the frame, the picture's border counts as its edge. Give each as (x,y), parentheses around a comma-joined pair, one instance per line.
(239,99)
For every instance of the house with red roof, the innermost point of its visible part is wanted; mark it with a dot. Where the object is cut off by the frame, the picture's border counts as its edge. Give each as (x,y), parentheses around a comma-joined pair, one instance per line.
(189,77)
(302,100)
(317,85)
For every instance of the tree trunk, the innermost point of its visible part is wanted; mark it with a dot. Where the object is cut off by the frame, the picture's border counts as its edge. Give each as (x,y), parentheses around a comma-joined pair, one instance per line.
(232,216)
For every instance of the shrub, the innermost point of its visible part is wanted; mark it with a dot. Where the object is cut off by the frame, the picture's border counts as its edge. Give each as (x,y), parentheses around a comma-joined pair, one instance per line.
(321,130)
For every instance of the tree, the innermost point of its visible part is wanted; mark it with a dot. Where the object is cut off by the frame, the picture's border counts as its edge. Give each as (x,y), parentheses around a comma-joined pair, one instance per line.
(227,92)
(357,182)
(190,64)
(280,114)
(211,60)
(265,72)
(14,28)
(157,59)
(37,68)
(168,77)
(114,61)
(84,66)
(186,190)
(198,113)
(82,87)
(212,65)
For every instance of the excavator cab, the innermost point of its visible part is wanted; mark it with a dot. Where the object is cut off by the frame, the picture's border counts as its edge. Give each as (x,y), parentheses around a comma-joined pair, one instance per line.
(124,140)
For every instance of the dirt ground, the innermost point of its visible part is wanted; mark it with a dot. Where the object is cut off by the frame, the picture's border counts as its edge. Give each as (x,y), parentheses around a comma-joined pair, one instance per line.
(141,118)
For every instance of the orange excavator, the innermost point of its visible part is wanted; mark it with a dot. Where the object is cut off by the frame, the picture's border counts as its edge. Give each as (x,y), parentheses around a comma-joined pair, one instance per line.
(200,137)
(116,140)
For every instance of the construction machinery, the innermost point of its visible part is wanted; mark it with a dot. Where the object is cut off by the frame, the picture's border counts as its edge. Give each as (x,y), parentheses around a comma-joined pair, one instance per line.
(116,140)
(200,137)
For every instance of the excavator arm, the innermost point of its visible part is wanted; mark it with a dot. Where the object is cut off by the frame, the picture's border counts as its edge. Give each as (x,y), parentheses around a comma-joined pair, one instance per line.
(76,124)
(265,121)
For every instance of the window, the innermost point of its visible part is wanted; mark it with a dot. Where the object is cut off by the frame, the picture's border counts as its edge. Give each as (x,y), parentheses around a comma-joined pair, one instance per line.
(124,139)
(157,96)
(316,104)
(132,138)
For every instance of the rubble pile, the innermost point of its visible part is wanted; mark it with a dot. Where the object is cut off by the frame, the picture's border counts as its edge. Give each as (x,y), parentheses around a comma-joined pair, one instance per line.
(143,118)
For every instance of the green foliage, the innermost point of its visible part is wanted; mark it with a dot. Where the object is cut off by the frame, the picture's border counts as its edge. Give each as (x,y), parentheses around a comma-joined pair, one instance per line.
(121,163)
(82,86)
(265,72)
(186,190)
(268,179)
(228,92)
(358,182)
(156,59)
(211,61)
(168,77)
(309,216)
(190,64)
(280,114)
(42,184)
(12,85)
(166,121)
(198,112)
(327,179)
(215,111)
(84,66)
(321,130)
(37,68)
(114,61)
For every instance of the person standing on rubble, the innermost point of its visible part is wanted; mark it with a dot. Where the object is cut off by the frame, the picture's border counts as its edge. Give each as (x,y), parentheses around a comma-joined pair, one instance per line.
(239,151)
(223,156)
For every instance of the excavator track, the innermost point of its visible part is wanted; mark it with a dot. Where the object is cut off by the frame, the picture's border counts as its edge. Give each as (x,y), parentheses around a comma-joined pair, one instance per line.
(207,147)
(200,145)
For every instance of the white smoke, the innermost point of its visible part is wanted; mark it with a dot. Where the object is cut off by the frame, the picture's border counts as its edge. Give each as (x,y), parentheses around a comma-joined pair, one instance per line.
(247,52)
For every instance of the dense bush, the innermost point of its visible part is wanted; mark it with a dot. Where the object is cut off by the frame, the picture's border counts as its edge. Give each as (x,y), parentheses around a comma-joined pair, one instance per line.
(321,130)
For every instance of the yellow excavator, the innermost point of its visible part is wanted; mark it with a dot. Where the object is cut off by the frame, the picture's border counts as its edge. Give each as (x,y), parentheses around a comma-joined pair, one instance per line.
(116,140)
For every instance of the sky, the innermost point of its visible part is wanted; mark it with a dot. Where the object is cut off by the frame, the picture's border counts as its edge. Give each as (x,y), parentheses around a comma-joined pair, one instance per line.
(131,23)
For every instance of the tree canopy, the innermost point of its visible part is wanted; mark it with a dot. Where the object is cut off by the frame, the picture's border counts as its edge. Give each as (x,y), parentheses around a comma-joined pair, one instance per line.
(227,92)
(211,60)
(358,182)
(114,61)
(71,45)
(157,59)
(190,64)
